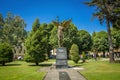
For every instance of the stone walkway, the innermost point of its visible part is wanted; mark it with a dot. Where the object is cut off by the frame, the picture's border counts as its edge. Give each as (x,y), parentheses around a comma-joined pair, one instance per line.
(53,74)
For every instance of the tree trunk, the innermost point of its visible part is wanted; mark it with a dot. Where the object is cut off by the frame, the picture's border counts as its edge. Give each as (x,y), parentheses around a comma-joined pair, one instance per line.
(95,56)
(3,63)
(36,63)
(104,54)
(111,57)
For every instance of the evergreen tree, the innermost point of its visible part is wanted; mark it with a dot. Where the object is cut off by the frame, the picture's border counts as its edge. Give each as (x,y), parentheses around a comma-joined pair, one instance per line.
(35,25)
(35,45)
(1,27)
(6,54)
(84,40)
(53,37)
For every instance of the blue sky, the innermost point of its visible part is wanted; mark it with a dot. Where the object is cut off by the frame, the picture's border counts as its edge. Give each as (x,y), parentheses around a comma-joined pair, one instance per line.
(47,10)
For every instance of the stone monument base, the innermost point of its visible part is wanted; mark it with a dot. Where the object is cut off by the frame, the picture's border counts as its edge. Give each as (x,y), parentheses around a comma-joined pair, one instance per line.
(61,58)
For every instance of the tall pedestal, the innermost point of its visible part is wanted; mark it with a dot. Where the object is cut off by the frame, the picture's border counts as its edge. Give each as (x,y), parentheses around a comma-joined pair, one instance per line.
(61,58)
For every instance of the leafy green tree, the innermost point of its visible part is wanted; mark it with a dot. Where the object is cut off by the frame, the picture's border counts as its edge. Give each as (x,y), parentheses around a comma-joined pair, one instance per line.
(6,54)
(84,41)
(13,31)
(74,53)
(100,42)
(105,11)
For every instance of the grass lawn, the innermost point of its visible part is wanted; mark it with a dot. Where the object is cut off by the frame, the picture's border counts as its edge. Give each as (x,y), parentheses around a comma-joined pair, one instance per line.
(94,70)
(101,70)
(20,70)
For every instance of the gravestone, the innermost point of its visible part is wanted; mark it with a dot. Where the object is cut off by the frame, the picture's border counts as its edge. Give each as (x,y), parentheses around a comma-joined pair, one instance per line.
(61,58)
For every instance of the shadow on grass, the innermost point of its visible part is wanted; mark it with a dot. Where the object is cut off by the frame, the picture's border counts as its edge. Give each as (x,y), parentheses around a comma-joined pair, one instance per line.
(11,65)
(45,65)
(42,64)
(79,64)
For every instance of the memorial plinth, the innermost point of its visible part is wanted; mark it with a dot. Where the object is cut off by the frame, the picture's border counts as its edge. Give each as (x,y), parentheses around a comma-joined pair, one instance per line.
(61,58)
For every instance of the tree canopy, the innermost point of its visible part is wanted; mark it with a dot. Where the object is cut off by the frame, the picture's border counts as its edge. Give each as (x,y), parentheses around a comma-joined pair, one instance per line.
(100,42)
(12,31)
(84,40)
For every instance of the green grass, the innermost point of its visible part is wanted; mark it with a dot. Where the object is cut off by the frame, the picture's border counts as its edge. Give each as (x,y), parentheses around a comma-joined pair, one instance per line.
(20,70)
(94,70)
(101,70)
(97,70)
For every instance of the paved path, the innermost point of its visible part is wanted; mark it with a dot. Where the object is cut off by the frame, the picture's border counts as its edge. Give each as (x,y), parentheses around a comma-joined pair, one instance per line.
(53,74)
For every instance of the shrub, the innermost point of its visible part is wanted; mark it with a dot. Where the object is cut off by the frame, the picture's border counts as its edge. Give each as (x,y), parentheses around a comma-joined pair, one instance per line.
(74,53)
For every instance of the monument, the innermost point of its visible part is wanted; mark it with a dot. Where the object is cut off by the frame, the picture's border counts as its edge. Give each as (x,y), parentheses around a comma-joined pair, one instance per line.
(61,56)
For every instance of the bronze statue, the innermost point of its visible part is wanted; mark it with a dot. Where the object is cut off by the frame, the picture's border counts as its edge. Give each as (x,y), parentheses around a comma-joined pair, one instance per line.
(61,28)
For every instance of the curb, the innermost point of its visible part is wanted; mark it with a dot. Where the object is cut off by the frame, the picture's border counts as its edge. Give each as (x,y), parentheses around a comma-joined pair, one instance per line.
(82,75)
(45,76)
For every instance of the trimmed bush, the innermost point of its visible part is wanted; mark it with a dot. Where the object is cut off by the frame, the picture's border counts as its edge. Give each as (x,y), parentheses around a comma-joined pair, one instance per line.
(74,53)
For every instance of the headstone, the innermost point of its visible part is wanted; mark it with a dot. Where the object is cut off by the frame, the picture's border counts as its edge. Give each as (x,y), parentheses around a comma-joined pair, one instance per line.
(61,58)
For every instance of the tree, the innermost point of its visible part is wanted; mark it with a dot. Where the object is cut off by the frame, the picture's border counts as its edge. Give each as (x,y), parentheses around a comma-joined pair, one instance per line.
(46,28)
(35,25)
(115,19)
(70,36)
(84,41)
(1,21)
(53,37)
(100,42)
(35,45)
(13,31)
(6,54)
(74,53)
(105,11)
(83,56)
(1,27)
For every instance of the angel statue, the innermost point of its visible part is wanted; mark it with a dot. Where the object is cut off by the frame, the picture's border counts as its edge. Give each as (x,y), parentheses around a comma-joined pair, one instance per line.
(61,28)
